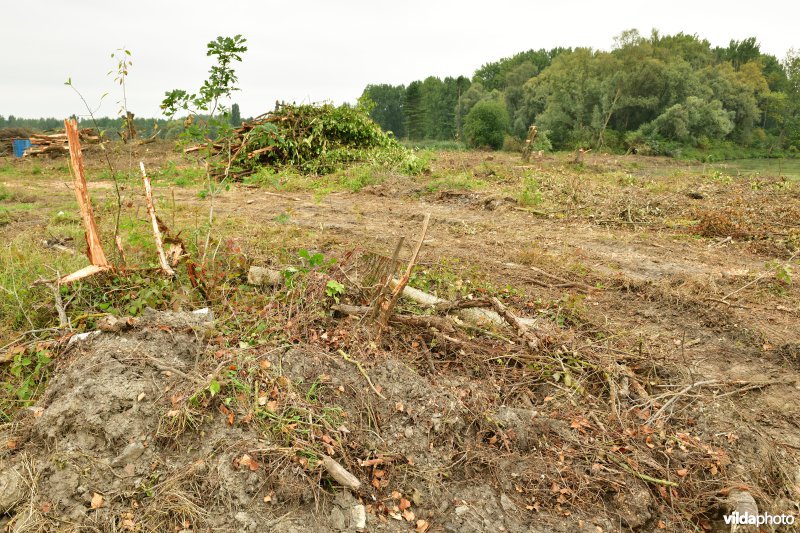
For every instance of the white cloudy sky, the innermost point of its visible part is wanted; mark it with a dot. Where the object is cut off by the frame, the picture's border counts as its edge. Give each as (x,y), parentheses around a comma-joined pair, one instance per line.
(324,49)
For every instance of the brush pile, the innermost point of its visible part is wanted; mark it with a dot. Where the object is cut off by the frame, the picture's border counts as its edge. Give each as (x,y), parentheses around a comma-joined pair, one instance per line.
(56,143)
(313,138)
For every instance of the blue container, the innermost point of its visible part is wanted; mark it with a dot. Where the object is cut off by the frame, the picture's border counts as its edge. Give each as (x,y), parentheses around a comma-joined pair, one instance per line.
(20,145)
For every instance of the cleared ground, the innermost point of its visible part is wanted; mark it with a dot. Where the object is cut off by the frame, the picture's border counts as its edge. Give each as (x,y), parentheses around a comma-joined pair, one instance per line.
(670,380)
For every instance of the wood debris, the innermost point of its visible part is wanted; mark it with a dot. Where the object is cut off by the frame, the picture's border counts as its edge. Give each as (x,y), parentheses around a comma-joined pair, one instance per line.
(94,249)
(56,144)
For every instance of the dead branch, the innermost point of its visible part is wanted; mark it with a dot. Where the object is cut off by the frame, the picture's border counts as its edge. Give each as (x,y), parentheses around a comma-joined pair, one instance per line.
(151,210)
(477,316)
(563,281)
(380,460)
(532,340)
(388,306)
(450,306)
(56,244)
(438,322)
(85,272)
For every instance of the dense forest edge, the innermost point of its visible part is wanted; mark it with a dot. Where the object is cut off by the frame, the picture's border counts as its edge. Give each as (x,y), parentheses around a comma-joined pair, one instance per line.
(672,95)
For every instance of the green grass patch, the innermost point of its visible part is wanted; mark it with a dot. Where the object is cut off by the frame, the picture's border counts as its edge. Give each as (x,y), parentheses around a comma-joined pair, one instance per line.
(460,181)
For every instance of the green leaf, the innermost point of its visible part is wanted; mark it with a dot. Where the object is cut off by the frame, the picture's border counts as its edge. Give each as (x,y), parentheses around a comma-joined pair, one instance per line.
(214,387)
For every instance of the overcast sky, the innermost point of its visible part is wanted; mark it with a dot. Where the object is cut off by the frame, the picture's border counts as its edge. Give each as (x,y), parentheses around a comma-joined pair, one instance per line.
(308,51)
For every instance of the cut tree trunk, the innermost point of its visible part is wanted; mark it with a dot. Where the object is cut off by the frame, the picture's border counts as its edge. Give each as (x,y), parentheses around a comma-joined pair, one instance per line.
(95,250)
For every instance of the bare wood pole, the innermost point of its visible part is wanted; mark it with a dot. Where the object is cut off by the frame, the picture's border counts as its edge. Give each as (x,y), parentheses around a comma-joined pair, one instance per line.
(151,210)
(388,305)
(94,249)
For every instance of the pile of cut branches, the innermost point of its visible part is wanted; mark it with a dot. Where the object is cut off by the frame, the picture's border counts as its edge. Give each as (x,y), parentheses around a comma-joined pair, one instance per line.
(313,138)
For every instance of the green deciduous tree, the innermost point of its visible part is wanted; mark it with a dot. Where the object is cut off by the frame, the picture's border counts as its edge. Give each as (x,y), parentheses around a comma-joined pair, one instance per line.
(486,124)
(389,105)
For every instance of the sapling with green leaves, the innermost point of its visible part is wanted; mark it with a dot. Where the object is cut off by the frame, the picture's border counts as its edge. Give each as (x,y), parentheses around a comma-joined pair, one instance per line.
(210,100)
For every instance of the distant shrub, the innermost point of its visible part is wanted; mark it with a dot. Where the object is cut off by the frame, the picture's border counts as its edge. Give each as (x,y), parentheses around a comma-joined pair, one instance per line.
(486,125)
(512,144)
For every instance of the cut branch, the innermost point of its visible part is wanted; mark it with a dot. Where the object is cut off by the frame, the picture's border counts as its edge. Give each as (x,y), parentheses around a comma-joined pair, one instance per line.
(532,340)
(151,210)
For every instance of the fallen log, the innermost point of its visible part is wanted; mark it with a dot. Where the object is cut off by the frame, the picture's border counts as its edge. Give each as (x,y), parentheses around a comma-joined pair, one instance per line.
(563,282)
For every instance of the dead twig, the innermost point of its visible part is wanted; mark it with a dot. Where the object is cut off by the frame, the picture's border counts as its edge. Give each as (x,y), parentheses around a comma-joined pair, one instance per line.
(759,277)
(358,365)
(644,477)
(563,282)
(729,304)
(677,395)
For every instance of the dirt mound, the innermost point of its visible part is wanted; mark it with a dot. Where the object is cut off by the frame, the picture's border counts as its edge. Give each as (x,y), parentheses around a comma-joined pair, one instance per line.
(134,435)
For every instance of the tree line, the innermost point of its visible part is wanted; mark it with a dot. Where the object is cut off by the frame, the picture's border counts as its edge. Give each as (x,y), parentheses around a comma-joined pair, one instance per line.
(662,93)
(112,126)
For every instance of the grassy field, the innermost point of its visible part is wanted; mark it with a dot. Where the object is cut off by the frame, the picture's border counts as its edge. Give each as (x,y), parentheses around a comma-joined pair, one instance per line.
(763,167)
(667,292)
